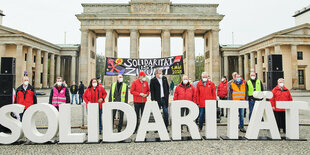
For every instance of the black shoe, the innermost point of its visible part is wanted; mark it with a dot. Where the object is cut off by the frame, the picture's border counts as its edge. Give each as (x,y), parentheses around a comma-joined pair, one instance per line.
(155,131)
(100,133)
(242,130)
(119,130)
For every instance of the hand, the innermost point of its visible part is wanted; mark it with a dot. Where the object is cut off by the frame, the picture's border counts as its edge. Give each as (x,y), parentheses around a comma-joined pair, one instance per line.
(100,100)
(273,108)
(141,94)
(145,95)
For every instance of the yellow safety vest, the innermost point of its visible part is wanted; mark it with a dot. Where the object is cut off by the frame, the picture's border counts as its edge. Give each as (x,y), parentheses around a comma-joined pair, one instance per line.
(123,92)
(251,87)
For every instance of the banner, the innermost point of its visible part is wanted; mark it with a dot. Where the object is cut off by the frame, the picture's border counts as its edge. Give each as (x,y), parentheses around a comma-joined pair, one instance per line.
(132,67)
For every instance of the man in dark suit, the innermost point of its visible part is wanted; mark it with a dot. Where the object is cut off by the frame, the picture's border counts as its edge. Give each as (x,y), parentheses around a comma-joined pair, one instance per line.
(160,92)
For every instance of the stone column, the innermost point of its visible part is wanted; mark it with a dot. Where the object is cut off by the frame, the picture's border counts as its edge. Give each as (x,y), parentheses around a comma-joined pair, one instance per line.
(45,69)
(226,66)
(240,67)
(134,47)
(84,57)
(58,62)
(259,70)
(165,46)
(190,53)
(37,77)
(73,68)
(246,67)
(29,64)
(52,70)
(19,64)
(267,53)
(215,58)
(252,57)
(294,66)
(62,69)
(277,49)
(109,52)
(2,52)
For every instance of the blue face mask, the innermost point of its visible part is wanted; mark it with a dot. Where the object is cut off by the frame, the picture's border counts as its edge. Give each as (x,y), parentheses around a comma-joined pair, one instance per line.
(238,80)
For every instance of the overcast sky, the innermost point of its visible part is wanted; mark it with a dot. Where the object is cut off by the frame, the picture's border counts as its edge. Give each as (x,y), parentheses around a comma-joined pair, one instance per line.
(248,19)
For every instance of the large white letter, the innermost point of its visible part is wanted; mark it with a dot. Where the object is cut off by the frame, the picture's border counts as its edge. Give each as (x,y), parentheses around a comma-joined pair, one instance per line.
(233,107)
(29,126)
(210,115)
(158,125)
(65,135)
(262,109)
(93,122)
(189,120)
(13,124)
(129,112)
(292,116)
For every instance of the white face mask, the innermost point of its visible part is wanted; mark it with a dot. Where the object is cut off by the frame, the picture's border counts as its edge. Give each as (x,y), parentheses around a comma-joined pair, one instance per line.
(160,76)
(223,79)
(253,77)
(120,80)
(185,81)
(94,84)
(59,83)
(204,79)
(143,79)
(26,83)
(281,84)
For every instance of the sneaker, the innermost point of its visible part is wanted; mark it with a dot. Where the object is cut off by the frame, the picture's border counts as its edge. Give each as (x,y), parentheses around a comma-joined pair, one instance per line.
(242,130)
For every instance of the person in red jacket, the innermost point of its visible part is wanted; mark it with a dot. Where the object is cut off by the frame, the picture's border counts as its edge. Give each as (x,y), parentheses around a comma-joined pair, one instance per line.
(95,94)
(25,95)
(222,92)
(184,91)
(205,90)
(280,93)
(140,90)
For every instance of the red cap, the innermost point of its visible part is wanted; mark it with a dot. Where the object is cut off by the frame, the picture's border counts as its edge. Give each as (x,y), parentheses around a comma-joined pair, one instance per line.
(142,74)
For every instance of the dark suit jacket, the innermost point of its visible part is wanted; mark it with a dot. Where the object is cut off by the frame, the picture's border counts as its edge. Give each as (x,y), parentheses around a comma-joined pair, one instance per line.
(155,90)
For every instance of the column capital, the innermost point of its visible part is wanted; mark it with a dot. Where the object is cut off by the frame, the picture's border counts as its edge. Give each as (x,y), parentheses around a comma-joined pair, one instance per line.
(165,30)
(134,30)
(215,30)
(190,30)
(109,30)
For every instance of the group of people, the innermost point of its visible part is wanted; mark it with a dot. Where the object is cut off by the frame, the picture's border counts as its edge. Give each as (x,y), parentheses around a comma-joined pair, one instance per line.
(235,89)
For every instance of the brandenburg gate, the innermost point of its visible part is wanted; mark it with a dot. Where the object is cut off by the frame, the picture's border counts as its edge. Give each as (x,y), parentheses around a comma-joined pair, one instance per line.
(155,18)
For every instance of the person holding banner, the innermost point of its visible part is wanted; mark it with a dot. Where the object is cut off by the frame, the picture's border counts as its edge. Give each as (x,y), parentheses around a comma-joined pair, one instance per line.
(59,94)
(95,94)
(280,93)
(160,93)
(119,93)
(25,95)
(205,90)
(140,90)
(237,91)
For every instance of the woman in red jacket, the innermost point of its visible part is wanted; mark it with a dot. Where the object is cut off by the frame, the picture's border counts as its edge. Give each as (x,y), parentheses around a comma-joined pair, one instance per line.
(95,94)
(184,91)
(140,90)
(280,93)
(222,92)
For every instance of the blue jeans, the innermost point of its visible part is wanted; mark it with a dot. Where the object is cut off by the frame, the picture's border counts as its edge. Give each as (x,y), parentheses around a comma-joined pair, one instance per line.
(251,107)
(74,96)
(241,118)
(100,120)
(165,109)
(80,98)
(201,117)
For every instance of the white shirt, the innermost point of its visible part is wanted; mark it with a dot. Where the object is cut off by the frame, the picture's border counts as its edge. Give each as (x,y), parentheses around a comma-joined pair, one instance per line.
(25,88)
(161,87)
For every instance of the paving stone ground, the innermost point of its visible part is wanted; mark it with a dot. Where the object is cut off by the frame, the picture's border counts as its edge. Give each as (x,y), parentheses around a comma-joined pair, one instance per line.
(174,147)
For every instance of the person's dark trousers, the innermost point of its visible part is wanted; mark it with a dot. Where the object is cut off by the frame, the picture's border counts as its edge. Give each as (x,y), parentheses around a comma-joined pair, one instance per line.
(120,122)
(222,109)
(57,107)
(165,110)
(280,118)
(139,107)
(251,107)
(201,117)
(184,111)
(100,120)
(80,98)
(241,118)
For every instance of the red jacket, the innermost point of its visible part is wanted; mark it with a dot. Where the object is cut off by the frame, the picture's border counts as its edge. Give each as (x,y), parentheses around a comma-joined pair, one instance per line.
(136,88)
(280,95)
(222,89)
(203,93)
(26,98)
(92,95)
(184,92)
